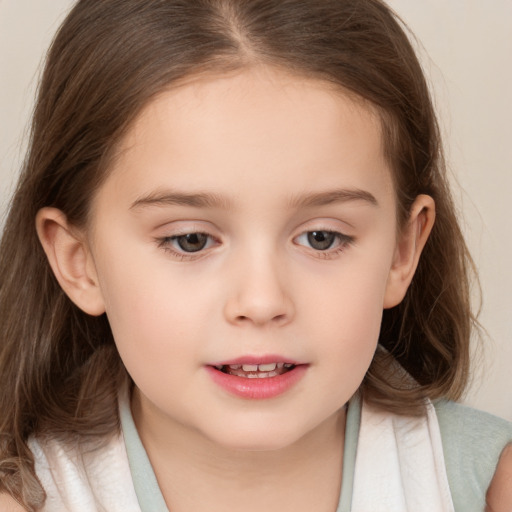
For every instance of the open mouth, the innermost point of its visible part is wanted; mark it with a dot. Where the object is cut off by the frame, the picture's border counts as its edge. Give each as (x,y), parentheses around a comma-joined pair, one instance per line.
(256,371)
(251,379)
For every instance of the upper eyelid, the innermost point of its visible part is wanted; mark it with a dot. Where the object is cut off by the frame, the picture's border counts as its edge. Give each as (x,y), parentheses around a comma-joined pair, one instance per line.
(209,232)
(343,238)
(179,235)
(181,227)
(323,227)
(185,227)
(166,232)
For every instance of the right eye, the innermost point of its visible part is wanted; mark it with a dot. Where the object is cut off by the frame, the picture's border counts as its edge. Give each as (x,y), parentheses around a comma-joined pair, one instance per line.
(188,243)
(191,242)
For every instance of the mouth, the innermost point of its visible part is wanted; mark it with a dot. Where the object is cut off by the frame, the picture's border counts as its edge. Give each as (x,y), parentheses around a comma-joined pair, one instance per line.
(256,371)
(253,377)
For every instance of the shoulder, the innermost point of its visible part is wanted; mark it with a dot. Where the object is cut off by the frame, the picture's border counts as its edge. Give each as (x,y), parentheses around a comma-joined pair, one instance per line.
(9,504)
(472,443)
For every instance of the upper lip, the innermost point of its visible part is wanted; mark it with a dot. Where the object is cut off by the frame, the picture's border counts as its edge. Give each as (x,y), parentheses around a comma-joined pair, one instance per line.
(255,359)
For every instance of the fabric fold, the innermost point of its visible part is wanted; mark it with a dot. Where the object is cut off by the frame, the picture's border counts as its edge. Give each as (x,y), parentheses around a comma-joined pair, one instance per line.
(400,464)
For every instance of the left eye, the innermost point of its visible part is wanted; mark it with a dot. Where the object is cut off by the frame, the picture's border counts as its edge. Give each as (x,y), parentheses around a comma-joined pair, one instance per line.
(322,240)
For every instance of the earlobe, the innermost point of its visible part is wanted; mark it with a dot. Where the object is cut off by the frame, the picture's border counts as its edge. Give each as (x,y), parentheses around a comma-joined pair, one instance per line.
(408,250)
(70,260)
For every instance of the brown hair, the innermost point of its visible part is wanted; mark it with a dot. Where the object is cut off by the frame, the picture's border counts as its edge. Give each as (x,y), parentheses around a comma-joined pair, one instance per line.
(59,369)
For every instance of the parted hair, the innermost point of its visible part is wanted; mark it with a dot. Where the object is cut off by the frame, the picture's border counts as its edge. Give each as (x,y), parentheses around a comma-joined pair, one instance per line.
(59,367)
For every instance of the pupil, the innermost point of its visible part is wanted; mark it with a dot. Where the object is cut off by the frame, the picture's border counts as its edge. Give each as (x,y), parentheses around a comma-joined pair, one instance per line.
(321,240)
(192,242)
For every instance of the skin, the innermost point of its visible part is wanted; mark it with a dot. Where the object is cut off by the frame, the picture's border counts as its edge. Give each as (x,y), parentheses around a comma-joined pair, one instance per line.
(258,141)
(9,504)
(499,495)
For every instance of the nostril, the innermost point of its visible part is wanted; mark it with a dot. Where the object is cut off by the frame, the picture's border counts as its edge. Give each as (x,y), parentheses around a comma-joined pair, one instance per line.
(254,319)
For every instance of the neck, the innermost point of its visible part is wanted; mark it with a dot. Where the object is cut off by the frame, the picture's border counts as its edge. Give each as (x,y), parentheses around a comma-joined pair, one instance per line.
(196,474)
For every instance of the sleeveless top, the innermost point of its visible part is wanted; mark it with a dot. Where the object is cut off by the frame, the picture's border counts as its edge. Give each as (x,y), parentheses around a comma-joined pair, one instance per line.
(384,464)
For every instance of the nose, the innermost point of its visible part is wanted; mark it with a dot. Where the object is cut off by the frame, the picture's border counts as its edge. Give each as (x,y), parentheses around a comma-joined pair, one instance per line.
(258,293)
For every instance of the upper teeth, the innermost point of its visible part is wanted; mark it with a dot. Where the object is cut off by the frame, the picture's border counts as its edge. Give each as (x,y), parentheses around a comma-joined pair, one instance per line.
(268,367)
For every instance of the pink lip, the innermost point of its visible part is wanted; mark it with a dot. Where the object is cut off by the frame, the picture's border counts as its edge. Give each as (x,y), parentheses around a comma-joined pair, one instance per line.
(257,389)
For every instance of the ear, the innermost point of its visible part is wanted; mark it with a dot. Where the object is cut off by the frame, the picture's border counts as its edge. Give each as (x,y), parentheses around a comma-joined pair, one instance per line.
(70,260)
(409,246)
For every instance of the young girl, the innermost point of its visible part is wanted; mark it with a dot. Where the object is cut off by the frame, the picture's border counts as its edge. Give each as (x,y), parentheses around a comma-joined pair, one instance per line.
(232,276)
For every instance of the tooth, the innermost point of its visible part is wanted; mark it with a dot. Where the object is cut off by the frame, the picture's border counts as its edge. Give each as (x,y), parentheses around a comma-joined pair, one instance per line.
(252,376)
(235,366)
(219,367)
(250,367)
(280,365)
(288,365)
(267,367)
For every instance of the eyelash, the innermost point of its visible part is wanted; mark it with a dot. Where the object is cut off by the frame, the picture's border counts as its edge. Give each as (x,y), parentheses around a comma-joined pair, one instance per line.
(343,242)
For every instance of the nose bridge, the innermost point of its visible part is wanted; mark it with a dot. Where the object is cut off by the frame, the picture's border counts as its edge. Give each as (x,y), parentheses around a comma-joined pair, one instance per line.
(259,293)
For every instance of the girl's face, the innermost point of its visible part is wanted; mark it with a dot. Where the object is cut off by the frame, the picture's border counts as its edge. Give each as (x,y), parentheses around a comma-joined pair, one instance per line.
(248,219)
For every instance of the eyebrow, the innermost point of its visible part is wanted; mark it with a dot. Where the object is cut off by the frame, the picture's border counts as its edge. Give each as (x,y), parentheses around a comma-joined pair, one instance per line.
(174,198)
(212,200)
(341,195)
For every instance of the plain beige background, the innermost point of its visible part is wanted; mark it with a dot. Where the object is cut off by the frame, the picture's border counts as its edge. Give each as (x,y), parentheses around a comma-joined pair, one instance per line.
(466,48)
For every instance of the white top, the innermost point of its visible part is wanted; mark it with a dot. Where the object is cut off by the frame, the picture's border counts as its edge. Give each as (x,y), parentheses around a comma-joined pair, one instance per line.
(399,466)
(81,481)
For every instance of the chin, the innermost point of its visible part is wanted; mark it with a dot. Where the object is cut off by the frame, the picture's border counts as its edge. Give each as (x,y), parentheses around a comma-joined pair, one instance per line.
(258,438)
(259,444)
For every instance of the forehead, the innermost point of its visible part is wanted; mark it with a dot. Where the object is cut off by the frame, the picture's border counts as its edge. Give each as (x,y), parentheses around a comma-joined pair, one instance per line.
(261,128)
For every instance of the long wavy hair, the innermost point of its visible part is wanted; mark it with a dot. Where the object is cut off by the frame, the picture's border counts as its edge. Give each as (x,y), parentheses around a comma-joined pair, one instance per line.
(59,368)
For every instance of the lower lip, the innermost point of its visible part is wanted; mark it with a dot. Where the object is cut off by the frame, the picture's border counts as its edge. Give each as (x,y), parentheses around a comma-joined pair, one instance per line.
(257,389)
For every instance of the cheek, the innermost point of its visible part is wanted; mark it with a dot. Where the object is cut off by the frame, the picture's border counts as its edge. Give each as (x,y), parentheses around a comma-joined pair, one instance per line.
(353,327)
(154,314)
(347,311)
